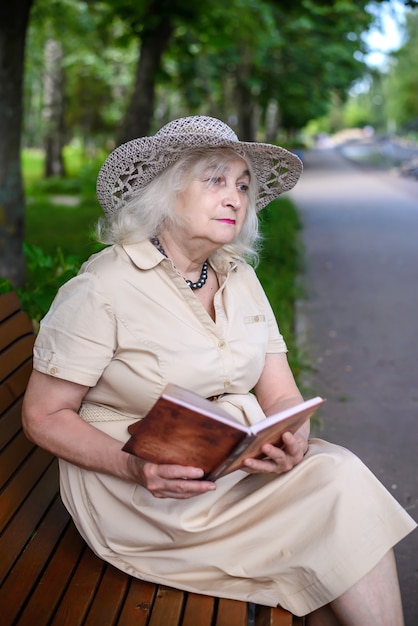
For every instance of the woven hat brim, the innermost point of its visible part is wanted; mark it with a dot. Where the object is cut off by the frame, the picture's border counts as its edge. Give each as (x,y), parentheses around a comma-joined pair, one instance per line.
(131,166)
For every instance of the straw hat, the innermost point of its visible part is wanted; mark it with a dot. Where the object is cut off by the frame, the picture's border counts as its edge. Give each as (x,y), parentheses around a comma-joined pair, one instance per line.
(131,166)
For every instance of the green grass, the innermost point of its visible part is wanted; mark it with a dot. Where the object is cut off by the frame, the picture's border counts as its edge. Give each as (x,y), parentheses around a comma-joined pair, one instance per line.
(280,268)
(32,166)
(60,237)
(51,220)
(61,214)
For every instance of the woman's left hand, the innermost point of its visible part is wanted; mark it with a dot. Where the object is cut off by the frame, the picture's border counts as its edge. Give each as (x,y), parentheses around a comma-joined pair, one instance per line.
(279,460)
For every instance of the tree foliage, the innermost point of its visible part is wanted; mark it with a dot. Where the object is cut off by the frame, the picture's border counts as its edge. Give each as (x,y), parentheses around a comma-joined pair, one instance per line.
(386,98)
(131,66)
(264,66)
(402,82)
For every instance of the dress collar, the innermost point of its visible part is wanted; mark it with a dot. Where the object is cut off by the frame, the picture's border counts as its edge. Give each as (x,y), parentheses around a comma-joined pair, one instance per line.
(143,254)
(146,256)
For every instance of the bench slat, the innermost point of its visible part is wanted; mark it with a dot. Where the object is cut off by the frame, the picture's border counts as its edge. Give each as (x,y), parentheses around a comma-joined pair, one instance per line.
(54,580)
(167,608)
(138,603)
(232,613)
(16,354)
(22,578)
(109,598)
(10,423)
(266,617)
(13,328)
(14,322)
(21,484)
(14,386)
(199,610)
(11,458)
(79,594)
(9,304)
(27,519)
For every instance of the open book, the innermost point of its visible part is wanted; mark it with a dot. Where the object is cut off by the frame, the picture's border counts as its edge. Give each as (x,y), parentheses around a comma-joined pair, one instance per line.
(182,428)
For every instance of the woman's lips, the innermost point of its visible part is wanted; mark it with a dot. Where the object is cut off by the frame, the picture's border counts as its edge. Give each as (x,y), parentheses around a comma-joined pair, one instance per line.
(226,220)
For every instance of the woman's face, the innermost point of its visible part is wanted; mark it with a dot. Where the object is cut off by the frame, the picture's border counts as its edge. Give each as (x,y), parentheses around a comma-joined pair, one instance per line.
(212,207)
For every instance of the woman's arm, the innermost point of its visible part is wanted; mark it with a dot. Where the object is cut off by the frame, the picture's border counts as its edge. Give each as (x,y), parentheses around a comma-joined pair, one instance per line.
(277,390)
(50,419)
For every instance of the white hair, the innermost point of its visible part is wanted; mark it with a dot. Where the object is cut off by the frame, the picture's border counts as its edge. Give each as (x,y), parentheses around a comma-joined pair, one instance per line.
(149,210)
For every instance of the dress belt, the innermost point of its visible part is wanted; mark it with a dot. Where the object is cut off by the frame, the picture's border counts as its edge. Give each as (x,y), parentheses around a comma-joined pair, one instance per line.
(95,413)
(239,405)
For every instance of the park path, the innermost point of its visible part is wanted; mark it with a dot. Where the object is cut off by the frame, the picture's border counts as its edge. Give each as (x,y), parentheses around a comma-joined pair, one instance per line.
(358,324)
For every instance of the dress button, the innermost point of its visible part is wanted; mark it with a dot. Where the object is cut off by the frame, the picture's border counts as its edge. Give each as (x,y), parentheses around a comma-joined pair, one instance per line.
(221,344)
(256,318)
(227,383)
(53,370)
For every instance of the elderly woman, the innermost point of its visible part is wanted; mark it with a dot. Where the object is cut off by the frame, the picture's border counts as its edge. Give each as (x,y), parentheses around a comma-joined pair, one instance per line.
(173,299)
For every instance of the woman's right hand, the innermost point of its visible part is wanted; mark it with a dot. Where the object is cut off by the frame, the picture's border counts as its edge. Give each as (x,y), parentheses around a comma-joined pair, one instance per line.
(168,481)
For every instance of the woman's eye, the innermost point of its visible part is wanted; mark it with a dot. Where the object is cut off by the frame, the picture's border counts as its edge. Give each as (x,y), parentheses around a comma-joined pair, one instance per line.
(242,187)
(214,180)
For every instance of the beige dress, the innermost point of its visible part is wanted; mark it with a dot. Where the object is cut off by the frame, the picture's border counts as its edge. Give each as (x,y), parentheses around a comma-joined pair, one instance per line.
(128,325)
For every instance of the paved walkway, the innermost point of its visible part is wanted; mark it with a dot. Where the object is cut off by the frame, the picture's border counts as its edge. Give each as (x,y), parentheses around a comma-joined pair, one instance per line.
(359,324)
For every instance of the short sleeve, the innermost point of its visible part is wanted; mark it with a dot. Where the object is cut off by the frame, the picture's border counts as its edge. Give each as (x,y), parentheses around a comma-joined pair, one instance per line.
(276,342)
(77,337)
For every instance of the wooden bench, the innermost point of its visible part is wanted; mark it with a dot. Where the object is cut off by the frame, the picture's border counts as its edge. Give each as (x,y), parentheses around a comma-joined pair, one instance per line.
(48,575)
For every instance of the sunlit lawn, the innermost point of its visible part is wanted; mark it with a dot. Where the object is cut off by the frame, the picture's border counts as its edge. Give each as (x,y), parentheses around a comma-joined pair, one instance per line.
(61,212)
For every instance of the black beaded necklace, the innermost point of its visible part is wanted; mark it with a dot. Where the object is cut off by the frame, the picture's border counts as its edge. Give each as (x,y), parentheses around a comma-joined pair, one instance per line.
(203,274)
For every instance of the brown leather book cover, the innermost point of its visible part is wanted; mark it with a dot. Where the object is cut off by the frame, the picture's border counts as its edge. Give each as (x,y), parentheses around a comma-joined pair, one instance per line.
(182,428)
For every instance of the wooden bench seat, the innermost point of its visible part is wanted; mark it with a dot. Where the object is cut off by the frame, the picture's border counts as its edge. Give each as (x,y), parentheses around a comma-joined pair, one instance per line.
(48,575)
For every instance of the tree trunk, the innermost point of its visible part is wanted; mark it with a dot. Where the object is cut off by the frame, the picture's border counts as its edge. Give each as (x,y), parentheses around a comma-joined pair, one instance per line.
(245,100)
(53,109)
(138,119)
(14,18)
(272,121)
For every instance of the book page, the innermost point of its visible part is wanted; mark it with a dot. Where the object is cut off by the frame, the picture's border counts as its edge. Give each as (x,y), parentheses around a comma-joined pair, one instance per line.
(286,413)
(195,402)
(270,431)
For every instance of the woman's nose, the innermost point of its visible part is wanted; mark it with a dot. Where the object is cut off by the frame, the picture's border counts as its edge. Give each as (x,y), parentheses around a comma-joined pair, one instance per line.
(232,197)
